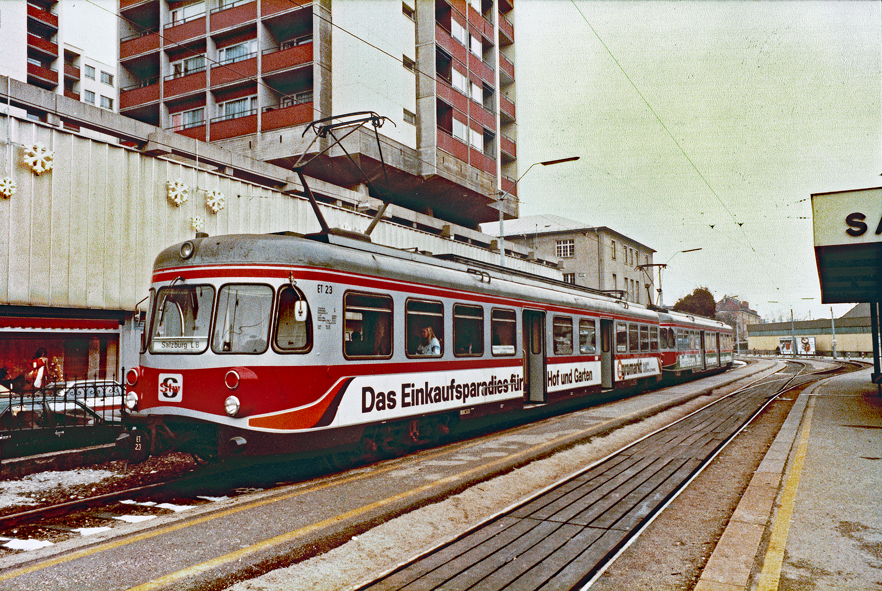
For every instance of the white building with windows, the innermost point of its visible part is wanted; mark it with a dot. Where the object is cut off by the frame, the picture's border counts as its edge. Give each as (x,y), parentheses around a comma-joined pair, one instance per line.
(595,257)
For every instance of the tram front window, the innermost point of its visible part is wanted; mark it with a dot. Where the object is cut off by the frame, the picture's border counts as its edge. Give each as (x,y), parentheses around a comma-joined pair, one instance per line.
(243,319)
(181,319)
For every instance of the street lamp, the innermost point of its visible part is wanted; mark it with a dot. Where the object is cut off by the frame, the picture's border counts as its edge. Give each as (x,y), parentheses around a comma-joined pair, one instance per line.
(503,194)
(660,267)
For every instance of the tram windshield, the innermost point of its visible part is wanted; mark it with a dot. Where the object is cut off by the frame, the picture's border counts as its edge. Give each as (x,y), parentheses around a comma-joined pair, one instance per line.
(181,319)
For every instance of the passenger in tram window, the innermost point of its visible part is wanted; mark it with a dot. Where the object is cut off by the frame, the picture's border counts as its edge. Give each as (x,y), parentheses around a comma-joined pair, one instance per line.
(429,343)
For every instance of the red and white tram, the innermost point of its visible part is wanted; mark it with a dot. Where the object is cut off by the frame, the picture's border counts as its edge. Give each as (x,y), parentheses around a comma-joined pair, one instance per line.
(284,344)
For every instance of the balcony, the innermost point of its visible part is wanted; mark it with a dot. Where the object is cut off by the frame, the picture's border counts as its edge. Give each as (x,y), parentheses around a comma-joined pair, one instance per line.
(71,94)
(452,97)
(482,162)
(506,31)
(145,42)
(508,147)
(508,108)
(481,115)
(42,77)
(185,30)
(183,85)
(281,59)
(450,45)
(46,49)
(270,7)
(233,71)
(43,17)
(127,4)
(197,132)
(452,146)
(509,185)
(484,71)
(506,68)
(140,94)
(71,72)
(232,15)
(233,126)
(277,118)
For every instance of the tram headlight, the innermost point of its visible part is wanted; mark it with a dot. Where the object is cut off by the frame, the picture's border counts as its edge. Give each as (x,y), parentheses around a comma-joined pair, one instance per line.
(131,400)
(231,405)
(187,249)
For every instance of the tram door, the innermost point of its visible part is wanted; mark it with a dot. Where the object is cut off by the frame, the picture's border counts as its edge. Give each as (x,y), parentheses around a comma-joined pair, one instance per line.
(534,356)
(703,349)
(606,354)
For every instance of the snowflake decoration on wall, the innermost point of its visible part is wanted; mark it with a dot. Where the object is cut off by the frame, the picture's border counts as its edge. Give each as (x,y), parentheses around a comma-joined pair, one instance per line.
(7,187)
(215,200)
(197,223)
(38,158)
(178,192)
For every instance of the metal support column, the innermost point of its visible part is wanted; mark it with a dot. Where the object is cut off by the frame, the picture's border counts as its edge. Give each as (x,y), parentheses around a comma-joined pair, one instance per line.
(874,329)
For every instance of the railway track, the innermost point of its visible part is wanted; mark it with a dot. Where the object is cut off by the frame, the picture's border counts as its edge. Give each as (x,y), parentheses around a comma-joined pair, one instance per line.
(567,535)
(189,499)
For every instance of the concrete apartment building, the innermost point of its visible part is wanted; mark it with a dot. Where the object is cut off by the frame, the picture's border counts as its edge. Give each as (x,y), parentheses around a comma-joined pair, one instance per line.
(68,48)
(248,75)
(595,257)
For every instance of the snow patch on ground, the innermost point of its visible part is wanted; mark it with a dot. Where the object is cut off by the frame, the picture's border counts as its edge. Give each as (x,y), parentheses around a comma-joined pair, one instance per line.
(27,491)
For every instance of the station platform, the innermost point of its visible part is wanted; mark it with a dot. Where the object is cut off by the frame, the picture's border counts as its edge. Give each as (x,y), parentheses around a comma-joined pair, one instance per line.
(811,517)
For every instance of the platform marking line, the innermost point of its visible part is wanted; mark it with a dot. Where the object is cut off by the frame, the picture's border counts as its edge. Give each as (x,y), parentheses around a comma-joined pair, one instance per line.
(771,573)
(302,531)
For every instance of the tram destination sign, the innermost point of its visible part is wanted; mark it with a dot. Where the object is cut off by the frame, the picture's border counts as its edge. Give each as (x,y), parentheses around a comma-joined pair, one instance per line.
(848,244)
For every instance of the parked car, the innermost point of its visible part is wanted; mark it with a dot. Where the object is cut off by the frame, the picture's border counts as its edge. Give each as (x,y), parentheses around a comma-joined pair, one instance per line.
(105,397)
(37,424)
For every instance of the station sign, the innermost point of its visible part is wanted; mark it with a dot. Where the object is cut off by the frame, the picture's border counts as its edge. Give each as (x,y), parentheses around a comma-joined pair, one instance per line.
(848,245)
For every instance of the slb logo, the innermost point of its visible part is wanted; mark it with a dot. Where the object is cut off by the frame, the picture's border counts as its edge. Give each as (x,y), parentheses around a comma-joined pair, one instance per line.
(171,387)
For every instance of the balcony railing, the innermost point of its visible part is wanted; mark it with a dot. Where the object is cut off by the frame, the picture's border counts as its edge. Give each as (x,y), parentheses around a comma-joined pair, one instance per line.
(229,5)
(184,74)
(230,116)
(43,16)
(142,84)
(143,33)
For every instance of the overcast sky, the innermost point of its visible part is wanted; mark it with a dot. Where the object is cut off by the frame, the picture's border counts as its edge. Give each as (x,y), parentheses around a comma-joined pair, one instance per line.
(702,125)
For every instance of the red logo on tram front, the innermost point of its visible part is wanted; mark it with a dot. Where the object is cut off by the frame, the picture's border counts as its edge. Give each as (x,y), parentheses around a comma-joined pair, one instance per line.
(171,387)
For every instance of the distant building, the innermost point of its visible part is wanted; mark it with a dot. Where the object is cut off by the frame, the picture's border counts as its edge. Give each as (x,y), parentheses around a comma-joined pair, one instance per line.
(852,332)
(595,257)
(737,314)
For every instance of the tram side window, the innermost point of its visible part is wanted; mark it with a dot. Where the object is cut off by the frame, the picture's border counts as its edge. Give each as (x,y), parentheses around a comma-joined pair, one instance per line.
(503,328)
(243,319)
(644,337)
(293,334)
(182,318)
(621,337)
(587,337)
(563,335)
(681,340)
(468,330)
(368,325)
(633,338)
(672,339)
(653,338)
(425,328)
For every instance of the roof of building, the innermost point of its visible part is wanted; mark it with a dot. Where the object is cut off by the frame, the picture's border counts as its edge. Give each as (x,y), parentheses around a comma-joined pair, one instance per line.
(859,311)
(548,224)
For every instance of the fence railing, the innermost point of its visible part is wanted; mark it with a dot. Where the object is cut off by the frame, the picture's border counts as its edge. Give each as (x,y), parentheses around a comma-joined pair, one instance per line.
(60,415)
